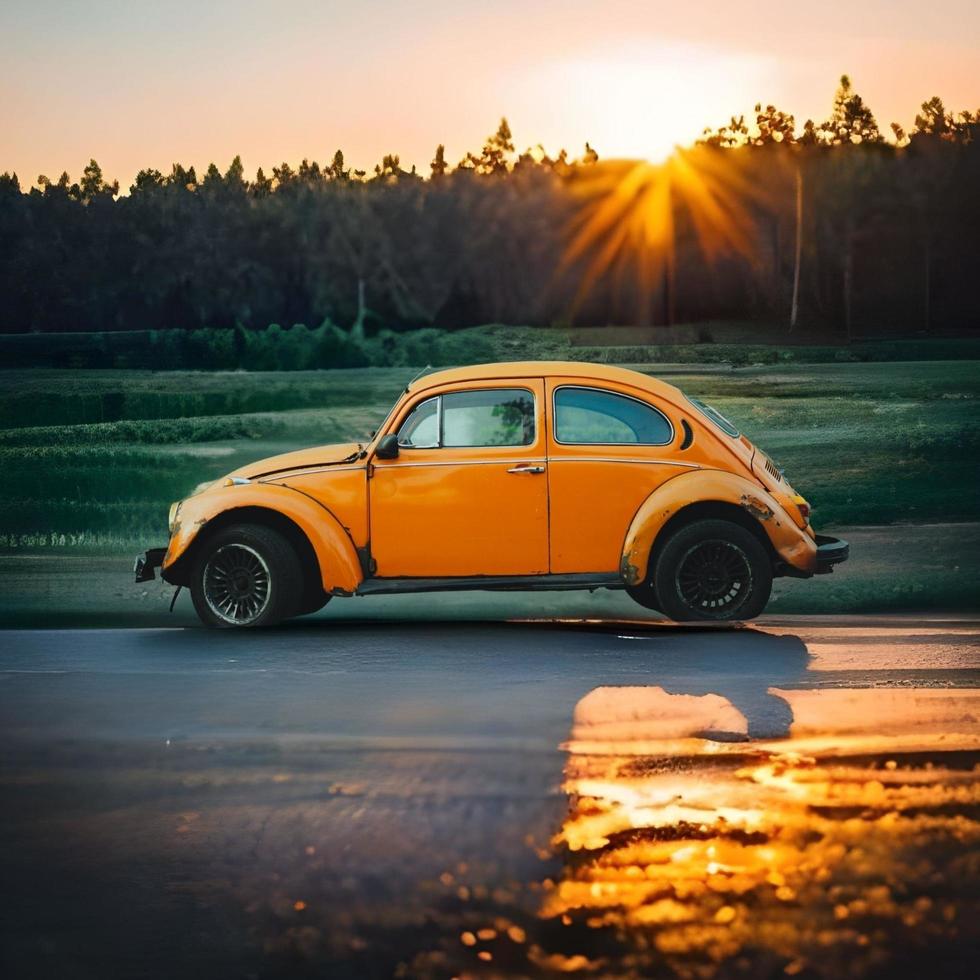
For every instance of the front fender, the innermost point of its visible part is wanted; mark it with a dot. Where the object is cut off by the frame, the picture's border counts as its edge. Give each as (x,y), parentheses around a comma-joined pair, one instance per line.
(335,553)
(793,545)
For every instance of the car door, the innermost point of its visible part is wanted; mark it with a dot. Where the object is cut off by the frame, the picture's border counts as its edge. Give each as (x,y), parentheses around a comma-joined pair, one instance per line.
(467,494)
(609,448)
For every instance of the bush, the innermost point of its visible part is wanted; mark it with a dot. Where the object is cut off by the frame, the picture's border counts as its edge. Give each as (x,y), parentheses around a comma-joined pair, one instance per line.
(152,432)
(300,348)
(428,347)
(334,348)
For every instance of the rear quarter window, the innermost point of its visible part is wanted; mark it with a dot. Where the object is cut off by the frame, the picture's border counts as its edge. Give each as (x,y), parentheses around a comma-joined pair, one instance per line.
(593,416)
(715,416)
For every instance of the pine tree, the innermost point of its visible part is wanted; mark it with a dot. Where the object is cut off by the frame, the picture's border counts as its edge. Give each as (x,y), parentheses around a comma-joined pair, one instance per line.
(851,120)
(284,176)
(439,166)
(147,180)
(235,175)
(212,178)
(93,185)
(497,151)
(262,185)
(336,169)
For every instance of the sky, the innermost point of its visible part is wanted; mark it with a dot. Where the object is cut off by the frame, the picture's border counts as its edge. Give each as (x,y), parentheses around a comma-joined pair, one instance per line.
(142,84)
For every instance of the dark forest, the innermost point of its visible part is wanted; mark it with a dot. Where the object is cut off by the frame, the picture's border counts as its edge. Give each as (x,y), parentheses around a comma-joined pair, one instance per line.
(824,228)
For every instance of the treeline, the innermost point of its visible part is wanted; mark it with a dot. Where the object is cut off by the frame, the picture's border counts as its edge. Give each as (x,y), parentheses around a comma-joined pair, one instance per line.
(829,225)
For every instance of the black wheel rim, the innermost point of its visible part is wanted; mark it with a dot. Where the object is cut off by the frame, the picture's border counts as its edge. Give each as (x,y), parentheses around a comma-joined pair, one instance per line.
(237,584)
(714,578)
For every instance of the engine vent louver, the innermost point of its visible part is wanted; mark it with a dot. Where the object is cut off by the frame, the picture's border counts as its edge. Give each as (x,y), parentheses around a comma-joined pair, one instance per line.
(772,471)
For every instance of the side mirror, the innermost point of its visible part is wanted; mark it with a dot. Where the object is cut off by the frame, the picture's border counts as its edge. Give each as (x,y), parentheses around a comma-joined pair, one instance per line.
(388,447)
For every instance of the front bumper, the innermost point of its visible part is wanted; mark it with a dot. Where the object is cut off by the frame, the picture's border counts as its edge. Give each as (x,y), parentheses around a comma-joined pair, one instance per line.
(146,562)
(830,552)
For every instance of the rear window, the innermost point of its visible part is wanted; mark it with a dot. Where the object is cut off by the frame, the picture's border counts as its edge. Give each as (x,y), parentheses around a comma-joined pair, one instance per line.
(712,413)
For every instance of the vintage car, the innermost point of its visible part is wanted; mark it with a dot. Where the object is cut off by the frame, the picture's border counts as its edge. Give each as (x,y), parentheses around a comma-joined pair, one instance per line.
(532,475)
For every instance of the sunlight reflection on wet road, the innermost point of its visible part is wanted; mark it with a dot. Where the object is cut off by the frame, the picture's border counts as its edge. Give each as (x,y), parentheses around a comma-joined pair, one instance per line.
(816,853)
(618,800)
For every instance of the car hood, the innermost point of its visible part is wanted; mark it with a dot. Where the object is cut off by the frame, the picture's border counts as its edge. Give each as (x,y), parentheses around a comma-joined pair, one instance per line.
(301,459)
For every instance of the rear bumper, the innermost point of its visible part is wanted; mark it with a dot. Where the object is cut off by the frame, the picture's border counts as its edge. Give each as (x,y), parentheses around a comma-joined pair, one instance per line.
(830,552)
(146,562)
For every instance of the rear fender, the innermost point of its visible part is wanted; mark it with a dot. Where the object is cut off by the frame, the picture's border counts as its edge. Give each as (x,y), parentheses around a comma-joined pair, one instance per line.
(791,544)
(340,570)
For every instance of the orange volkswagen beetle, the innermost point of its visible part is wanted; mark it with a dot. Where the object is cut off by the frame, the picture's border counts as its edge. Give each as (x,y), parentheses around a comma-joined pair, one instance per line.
(531,475)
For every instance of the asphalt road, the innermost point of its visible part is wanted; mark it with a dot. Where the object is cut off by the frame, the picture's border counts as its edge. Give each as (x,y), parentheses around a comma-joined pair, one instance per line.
(463,799)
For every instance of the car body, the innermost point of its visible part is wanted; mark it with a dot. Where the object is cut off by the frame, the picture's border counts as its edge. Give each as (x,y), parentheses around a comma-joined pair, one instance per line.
(529,475)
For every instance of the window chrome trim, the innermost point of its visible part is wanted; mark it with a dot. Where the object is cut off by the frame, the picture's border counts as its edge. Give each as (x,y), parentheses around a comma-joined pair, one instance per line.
(384,464)
(615,459)
(606,391)
(466,462)
(540,459)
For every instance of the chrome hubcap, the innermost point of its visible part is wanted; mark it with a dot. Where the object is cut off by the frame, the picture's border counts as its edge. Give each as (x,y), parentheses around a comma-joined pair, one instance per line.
(237,584)
(714,578)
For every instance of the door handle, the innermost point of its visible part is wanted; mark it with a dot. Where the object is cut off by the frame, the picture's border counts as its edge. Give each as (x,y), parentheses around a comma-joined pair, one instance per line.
(526,469)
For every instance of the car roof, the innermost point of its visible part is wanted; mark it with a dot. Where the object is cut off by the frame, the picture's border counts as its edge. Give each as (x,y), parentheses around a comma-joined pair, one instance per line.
(544,369)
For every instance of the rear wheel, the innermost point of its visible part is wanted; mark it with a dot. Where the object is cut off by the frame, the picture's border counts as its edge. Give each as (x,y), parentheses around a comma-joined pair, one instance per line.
(645,595)
(712,570)
(246,575)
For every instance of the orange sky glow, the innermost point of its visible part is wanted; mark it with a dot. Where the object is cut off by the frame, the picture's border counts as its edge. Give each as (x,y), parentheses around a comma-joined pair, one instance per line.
(142,84)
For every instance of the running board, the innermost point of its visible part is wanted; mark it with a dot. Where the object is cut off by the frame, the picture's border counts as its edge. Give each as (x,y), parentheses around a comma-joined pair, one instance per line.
(493,583)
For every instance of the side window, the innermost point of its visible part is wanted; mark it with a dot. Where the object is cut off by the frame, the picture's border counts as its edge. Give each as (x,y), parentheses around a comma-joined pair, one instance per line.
(585,416)
(494,417)
(484,417)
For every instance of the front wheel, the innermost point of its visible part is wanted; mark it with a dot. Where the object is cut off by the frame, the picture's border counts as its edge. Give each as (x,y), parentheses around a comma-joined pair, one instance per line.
(712,570)
(314,599)
(246,575)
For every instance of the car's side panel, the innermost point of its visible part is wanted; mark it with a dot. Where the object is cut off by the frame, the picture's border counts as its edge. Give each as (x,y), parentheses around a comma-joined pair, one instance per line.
(342,490)
(339,566)
(592,502)
(594,490)
(462,511)
(793,545)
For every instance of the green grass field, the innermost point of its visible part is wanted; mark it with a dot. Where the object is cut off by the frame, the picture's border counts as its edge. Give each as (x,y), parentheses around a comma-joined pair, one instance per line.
(90,460)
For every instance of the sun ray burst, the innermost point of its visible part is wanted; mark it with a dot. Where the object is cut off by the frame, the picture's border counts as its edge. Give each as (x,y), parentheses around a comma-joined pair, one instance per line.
(630,214)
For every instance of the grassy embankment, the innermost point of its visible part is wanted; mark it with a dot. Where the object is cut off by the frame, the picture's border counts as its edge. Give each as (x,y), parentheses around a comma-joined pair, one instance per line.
(90,460)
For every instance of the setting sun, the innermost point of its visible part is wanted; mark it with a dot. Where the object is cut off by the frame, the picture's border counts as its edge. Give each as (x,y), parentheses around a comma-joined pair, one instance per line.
(632,79)
(642,100)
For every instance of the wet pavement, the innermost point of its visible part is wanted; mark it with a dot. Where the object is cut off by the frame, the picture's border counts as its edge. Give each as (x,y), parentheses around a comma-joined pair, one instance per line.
(605,799)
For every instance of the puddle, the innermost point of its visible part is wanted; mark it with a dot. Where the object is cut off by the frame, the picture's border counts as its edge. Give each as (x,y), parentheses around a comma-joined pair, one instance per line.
(847,850)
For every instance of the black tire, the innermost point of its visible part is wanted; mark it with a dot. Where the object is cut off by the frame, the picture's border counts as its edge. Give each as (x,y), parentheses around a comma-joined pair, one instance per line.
(712,570)
(314,599)
(645,595)
(245,576)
